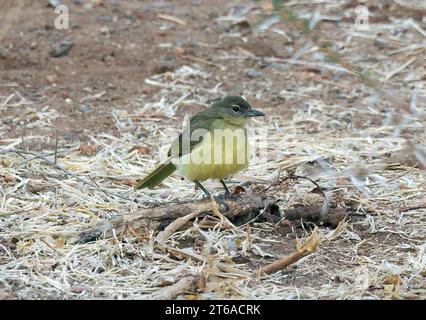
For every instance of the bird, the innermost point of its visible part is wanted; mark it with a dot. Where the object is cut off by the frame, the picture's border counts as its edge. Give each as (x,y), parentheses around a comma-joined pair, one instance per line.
(213,146)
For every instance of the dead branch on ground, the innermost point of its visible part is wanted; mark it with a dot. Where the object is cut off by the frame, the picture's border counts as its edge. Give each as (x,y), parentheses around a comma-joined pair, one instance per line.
(309,246)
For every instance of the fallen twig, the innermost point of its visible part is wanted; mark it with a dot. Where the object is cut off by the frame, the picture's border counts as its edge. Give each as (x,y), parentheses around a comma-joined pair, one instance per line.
(309,246)
(171,18)
(186,284)
(239,211)
(295,177)
(174,226)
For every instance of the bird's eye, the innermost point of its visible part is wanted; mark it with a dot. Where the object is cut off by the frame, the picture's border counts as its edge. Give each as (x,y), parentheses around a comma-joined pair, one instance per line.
(235,108)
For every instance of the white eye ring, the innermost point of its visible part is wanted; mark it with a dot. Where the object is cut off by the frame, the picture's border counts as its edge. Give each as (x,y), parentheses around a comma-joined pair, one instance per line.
(235,108)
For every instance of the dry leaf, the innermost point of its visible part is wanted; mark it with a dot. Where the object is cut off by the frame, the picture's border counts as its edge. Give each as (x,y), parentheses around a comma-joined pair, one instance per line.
(179,51)
(129,182)
(392,279)
(391,285)
(342,182)
(4,296)
(149,90)
(59,243)
(266,5)
(4,163)
(22,245)
(239,190)
(38,186)
(140,149)
(88,149)
(7,178)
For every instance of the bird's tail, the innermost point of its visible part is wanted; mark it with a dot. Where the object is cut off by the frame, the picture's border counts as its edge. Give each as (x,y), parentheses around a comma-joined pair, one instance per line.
(156,176)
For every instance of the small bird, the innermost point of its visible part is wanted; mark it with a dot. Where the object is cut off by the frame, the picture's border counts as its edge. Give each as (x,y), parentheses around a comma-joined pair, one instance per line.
(213,146)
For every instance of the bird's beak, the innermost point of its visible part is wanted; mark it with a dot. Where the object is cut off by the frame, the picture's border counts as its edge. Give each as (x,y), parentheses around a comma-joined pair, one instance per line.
(254,113)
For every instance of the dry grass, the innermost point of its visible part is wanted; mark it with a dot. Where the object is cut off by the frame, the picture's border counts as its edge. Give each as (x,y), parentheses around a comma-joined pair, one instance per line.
(366,152)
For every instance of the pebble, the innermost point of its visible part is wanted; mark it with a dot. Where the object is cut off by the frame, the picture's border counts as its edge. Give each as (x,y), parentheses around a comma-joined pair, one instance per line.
(68,136)
(51,78)
(84,108)
(104,30)
(253,73)
(334,124)
(63,49)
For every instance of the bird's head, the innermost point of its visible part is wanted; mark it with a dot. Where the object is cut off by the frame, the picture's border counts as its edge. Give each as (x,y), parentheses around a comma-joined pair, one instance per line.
(235,110)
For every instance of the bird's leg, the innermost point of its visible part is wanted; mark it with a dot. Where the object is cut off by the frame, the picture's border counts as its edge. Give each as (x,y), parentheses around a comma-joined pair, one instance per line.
(227,191)
(202,188)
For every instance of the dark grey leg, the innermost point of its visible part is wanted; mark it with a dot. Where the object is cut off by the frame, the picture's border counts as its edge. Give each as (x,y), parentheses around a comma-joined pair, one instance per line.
(227,191)
(202,188)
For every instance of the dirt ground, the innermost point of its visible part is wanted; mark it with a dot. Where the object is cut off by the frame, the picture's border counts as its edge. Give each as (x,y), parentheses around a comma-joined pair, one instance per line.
(108,108)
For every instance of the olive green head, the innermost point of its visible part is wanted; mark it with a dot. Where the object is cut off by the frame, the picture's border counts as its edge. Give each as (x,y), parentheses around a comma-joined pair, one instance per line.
(235,110)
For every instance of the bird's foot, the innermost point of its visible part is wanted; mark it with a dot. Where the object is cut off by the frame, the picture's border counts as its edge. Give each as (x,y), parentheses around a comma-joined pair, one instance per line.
(208,195)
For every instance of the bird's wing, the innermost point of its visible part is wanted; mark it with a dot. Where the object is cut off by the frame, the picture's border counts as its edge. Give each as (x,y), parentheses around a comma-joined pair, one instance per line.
(191,136)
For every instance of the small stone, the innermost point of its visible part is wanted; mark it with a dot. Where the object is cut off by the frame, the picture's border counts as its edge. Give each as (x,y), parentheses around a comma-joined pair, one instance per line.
(105,18)
(63,94)
(63,49)
(335,125)
(51,79)
(347,117)
(84,108)
(68,136)
(379,44)
(179,51)
(108,58)
(104,30)
(253,73)
(88,6)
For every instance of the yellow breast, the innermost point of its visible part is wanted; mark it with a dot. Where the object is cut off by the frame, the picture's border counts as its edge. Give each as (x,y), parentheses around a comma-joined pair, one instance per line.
(222,153)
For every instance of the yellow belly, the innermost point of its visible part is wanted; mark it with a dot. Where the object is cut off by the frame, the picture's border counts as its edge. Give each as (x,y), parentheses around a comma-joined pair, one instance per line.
(218,156)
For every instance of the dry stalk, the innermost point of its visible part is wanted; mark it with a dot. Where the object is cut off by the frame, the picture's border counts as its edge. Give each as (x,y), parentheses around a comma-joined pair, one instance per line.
(309,246)
(175,226)
(187,284)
